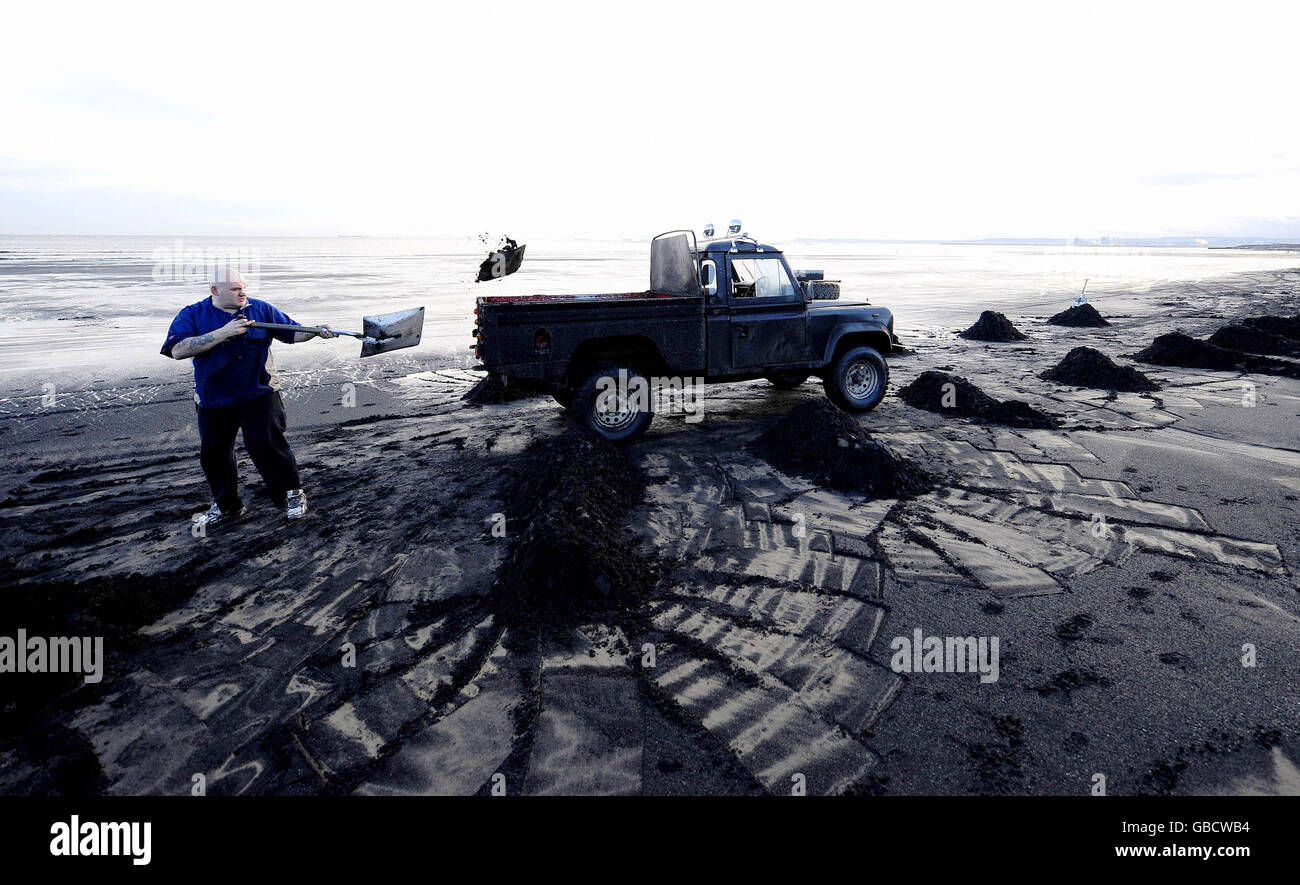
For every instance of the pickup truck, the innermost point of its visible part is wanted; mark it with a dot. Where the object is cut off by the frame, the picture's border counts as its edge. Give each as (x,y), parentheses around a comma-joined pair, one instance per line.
(727,309)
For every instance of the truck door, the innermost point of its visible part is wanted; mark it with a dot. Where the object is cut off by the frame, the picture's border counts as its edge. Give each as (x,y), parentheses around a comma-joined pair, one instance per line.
(769,319)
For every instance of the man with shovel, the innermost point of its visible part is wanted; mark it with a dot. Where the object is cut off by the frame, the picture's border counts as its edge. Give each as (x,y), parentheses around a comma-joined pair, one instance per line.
(235,388)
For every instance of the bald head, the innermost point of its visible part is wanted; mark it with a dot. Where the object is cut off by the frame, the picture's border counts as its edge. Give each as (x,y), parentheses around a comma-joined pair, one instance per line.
(229,291)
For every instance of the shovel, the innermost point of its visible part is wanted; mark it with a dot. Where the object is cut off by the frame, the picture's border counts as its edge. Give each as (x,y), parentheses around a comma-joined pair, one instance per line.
(390,331)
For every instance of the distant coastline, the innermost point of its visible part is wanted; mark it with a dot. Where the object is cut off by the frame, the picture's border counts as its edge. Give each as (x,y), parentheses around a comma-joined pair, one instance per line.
(1264,243)
(1265,247)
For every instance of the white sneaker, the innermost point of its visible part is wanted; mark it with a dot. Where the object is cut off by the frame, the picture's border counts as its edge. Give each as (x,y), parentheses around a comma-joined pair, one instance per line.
(214,515)
(296,504)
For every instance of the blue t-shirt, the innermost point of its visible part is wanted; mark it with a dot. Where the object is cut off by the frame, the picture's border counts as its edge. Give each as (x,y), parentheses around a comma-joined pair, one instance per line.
(238,369)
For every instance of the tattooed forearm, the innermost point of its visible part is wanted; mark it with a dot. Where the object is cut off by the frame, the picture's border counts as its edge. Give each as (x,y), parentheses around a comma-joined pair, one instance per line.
(197,344)
(193,346)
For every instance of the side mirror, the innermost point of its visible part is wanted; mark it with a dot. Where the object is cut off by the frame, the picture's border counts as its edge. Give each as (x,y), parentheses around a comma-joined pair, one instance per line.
(709,277)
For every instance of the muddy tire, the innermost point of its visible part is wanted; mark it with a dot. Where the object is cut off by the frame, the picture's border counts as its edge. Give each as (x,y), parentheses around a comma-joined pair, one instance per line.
(618,415)
(787,380)
(858,380)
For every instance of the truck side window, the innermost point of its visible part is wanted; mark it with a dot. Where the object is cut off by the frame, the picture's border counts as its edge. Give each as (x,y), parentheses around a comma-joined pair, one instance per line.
(709,277)
(762,278)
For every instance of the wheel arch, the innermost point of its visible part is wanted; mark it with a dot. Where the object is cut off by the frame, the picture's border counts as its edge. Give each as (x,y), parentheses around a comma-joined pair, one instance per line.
(855,334)
(637,351)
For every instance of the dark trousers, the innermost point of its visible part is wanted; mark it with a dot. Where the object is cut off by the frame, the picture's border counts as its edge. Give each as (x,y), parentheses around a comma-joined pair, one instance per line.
(262,421)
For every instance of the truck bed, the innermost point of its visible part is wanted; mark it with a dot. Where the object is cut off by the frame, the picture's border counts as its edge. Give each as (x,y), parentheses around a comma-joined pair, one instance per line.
(567,299)
(508,327)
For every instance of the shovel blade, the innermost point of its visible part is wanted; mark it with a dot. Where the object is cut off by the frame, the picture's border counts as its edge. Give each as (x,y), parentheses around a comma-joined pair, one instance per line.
(392,331)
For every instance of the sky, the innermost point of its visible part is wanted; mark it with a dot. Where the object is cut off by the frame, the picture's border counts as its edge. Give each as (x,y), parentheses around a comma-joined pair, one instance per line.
(609,120)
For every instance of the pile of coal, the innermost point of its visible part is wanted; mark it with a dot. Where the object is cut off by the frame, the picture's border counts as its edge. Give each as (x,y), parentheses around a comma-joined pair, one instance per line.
(952,395)
(993,326)
(1081,316)
(1255,339)
(1086,367)
(1178,349)
(1184,351)
(826,445)
(569,561)
(1287,327)
(491,390)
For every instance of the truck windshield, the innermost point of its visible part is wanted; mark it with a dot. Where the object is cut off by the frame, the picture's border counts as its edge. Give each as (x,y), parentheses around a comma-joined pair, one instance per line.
(761,278)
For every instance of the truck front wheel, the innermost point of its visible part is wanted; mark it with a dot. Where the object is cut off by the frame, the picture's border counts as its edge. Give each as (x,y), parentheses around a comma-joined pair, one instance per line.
(615,402)
(857,381)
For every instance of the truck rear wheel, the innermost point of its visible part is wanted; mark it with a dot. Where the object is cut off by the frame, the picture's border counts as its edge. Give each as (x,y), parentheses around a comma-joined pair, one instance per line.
(615,402)
(857,381)
(787,380)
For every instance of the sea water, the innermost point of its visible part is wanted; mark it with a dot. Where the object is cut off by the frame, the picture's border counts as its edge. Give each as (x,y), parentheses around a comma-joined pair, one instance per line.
(87,309)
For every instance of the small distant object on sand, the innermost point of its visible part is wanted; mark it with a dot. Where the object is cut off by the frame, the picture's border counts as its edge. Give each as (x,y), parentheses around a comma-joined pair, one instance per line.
(953,395)
(502,262)
(993,326)
(826,445)
(1184,351)
(1081,316)
(1086,367)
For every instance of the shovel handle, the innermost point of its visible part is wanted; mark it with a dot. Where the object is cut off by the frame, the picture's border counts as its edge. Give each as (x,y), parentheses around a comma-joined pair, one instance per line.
(288,327)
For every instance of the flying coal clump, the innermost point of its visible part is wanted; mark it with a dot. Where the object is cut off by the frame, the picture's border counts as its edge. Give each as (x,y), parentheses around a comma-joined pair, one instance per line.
(502,262)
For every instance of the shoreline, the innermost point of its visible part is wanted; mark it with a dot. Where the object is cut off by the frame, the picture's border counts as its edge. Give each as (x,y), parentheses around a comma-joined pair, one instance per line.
(103,315)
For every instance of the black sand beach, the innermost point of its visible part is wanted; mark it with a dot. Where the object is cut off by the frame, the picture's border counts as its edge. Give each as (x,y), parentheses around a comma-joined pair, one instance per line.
(727,623)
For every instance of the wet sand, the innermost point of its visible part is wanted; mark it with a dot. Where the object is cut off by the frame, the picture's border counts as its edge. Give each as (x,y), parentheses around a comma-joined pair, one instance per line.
(758,653)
